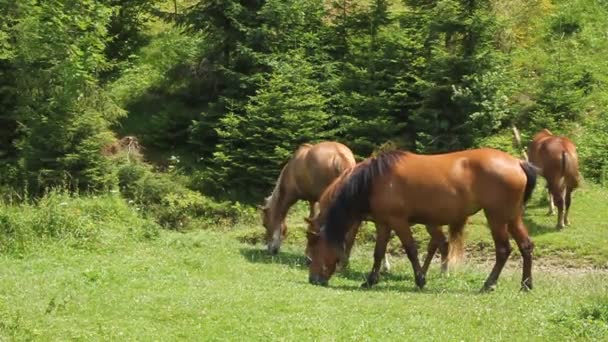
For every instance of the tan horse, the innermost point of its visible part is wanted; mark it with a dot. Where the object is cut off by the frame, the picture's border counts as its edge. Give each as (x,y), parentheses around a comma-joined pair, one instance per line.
(398,189)
(305,176)
(557,158)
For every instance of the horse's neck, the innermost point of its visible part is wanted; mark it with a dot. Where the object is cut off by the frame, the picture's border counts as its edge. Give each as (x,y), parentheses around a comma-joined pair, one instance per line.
(278,201)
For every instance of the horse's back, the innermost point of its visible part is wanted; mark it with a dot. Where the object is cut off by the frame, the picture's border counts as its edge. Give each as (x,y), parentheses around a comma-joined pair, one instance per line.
(450,186)
(314,169)
(548,153)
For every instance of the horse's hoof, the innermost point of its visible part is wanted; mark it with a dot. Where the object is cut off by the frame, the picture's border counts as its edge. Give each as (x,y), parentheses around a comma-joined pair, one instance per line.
(488,288)
(371,281)
(420,281)
(366,285)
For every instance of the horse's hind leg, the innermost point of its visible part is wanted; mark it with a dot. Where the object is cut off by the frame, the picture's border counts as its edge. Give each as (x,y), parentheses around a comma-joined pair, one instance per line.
(526,246)
(551,203)
(558,198)
(503,250)
(383,234)
(568,202)
(403,231)
(438,240)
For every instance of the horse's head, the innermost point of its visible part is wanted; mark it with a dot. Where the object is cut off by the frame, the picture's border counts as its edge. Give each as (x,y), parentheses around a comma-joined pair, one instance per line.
(274,230)
(323,258)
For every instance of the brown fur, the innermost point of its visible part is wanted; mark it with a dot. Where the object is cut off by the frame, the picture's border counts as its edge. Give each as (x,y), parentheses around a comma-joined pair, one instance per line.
(311,169)
(398,190)
(558,160)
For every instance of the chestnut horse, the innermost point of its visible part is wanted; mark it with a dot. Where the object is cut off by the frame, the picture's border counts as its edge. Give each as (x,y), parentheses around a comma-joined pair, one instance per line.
(304,177)
(398,189)
(557,158)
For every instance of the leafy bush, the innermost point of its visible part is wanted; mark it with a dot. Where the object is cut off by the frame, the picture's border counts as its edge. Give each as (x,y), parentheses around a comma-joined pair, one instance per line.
(592,147)
(503,141)
(82,222)
(165,197)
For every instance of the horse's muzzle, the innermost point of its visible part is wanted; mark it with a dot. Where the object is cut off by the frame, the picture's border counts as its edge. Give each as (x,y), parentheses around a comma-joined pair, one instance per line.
(317,280)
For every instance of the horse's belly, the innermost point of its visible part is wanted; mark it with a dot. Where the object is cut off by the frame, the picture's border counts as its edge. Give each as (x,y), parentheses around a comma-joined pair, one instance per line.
(437,218)
(443,211)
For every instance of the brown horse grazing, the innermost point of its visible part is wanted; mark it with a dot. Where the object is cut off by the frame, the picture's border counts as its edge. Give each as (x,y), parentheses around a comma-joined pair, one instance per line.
(304,177)
(398,189)
(557,158)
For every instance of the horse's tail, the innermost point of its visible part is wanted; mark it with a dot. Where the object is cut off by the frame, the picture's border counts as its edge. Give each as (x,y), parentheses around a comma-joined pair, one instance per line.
(351,202)
(531,172)
(570,170)
(455,245)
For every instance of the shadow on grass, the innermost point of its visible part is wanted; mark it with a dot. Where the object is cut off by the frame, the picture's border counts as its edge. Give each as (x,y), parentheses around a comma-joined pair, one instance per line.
(361,276)
(261,256)
(405,283)
(536,229)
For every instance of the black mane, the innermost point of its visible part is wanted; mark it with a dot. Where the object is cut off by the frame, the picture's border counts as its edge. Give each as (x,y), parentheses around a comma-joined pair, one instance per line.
(351,202)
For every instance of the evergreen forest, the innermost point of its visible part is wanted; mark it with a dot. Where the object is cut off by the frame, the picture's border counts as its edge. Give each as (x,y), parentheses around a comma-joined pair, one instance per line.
(218,94)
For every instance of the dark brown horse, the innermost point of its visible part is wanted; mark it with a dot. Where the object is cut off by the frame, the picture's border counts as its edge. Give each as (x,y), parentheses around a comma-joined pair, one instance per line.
(304,177)
(557,158)
(398,189)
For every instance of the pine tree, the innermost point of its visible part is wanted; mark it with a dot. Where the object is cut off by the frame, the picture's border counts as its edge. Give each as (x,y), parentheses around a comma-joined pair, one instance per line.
(287,111)
(459,89)
(58,54)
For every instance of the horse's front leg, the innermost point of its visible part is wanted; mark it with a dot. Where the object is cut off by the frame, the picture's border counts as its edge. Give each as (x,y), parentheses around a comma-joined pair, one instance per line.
(350,241)
(383,234)
(403,231)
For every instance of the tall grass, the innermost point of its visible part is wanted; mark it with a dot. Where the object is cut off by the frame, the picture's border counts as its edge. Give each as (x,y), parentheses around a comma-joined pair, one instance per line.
(82,222)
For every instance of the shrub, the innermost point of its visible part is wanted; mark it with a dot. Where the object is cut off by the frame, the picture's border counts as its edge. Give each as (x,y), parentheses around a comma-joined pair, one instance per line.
(82,222)
(592,147)
(173,205)
(503,141)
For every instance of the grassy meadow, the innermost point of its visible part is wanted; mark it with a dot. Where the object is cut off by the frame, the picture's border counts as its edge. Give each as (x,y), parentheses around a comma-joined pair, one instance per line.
(123,281)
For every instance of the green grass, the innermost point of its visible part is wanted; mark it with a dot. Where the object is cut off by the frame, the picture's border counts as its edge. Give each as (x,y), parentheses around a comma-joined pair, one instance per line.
(215,285)
(206,284)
